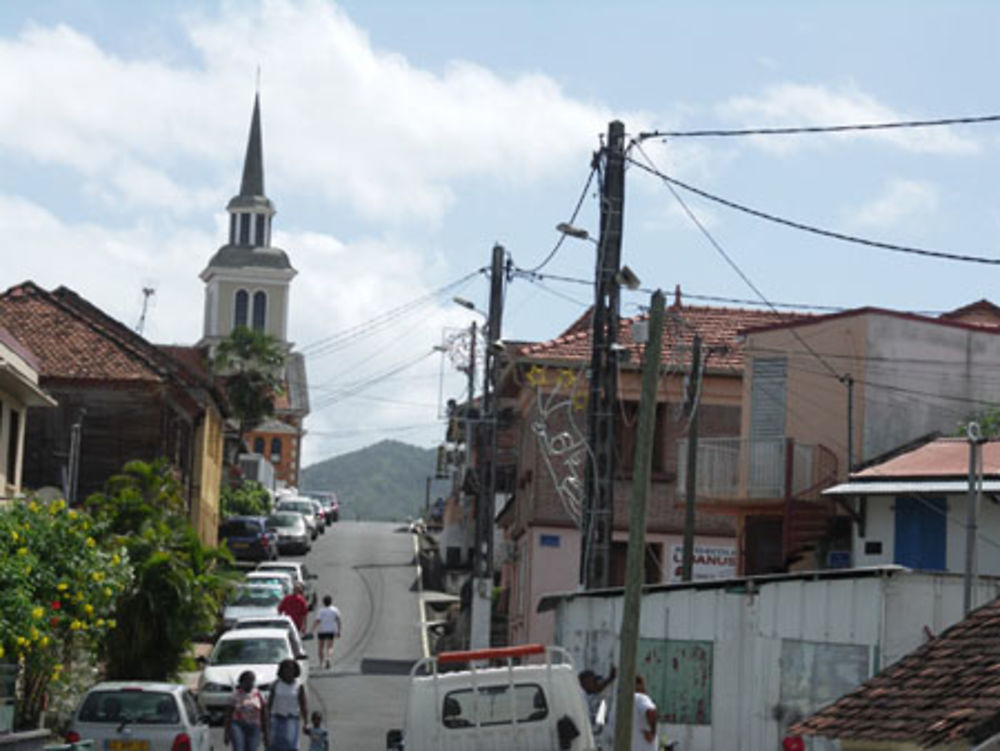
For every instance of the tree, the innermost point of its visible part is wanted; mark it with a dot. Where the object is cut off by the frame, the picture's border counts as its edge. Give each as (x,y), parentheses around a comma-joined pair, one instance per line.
(177,587)
(251,364)
(58,590)
(249,498)
(988,419)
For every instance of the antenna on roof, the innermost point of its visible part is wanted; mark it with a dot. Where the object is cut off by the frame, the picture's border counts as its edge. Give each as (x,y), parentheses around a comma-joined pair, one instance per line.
(147,292)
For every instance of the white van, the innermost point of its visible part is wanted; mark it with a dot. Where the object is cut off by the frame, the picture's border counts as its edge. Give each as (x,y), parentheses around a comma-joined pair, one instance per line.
(514,707)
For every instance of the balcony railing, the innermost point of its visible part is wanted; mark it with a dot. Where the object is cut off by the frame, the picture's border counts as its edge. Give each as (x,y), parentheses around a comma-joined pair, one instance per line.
(775,468)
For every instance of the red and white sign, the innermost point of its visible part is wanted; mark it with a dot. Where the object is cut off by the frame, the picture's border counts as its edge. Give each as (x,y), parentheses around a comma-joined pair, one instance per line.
(710,562)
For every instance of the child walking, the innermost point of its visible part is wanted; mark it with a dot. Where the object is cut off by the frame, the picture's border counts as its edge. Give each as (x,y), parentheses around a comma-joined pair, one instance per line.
(319,737)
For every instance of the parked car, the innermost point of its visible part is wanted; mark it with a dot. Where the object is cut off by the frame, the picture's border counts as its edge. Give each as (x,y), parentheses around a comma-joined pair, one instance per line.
(140,716)
(329,502)
(293,533)
(320,513)
(278,621)
(249,539)
(251,599)
(301,506)
(299,571)
(256,649)
(282,579)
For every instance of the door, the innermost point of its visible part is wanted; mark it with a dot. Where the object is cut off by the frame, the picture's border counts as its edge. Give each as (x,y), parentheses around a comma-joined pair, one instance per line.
(921,527)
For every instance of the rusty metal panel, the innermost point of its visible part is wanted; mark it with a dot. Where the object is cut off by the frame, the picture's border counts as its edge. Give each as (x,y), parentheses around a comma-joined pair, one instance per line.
(678,675)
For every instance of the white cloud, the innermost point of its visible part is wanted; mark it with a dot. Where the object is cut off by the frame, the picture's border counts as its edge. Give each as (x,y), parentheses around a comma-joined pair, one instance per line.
(900,200)
(804,105)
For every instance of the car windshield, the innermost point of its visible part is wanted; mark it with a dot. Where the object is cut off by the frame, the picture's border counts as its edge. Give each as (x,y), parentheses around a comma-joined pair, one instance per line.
(303,507)
(263,595)
(130,705)
(263,623)
(250,651)
(283,520)
(288,569)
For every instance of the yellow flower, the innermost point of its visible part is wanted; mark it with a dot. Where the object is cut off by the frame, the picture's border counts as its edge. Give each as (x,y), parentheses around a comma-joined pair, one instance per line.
(34,634)
(77,597)
(75,626)
(72,514)
(37,612)
(99,622)
(44,641)
(21,641)
(115,560)
(88,609)
(98,576)
(33,507)
(13,535)
(22,551)
(108,592)
(2,652)
(62,586)
(90,542)
(112,623)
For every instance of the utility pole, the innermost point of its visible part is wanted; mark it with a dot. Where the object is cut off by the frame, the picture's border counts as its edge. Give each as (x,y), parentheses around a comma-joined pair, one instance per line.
(691,410)
(972,512)
(482,576)
(848,380)
(635,564)
(598,509)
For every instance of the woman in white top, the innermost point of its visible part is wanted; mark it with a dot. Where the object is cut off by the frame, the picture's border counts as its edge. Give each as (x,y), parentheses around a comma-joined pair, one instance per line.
(287,706)
(328,624)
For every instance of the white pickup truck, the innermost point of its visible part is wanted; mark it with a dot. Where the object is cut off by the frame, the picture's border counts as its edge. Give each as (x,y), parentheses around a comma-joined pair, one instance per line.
(531,702)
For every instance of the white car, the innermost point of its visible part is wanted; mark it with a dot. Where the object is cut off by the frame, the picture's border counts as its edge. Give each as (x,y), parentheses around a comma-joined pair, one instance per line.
(281,578)
(278,621)
(299,573)
(140,716)
(256,649)
(251,599)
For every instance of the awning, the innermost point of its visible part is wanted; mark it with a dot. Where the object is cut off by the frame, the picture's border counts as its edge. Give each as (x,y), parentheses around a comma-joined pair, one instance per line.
(910,487)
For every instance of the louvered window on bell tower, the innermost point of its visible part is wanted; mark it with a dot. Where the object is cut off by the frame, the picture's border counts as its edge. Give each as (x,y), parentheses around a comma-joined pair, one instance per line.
(259,238)
(244,230)
(232,229)
(259,310)
(240,313)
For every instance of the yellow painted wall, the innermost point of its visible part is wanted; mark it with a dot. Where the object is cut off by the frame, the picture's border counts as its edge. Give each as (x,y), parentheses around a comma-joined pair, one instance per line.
(208,468)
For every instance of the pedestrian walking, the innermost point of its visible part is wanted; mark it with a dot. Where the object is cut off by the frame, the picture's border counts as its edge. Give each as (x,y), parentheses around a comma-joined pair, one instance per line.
(246,719)
(327,624)
(294,605)
(319,737)
(287,707)
(644,718)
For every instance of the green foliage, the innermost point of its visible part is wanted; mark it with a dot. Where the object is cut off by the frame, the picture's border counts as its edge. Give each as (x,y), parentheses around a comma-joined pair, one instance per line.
(384,481)
(251,363)
(989,423)
(60,578)
(177,587)
(249,498)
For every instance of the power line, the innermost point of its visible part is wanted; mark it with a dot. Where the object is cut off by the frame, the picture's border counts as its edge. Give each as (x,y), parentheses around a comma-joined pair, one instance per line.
(572,218)
(811,129)
(733,265)
(893,247)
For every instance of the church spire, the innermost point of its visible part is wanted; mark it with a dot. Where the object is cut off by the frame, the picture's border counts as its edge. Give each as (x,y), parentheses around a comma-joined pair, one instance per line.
(253,165)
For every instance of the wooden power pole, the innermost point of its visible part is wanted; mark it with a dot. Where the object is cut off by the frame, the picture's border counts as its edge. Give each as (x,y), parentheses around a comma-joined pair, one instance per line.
(691,478)
(635,565)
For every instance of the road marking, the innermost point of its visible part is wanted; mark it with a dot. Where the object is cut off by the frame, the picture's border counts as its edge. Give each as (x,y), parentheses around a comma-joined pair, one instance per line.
(421,616)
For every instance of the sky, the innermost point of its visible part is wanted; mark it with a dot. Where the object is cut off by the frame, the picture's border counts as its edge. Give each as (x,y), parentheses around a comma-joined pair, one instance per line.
(403,140)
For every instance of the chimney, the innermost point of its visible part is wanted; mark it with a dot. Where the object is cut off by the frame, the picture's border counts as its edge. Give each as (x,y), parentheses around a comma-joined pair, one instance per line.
(677,295)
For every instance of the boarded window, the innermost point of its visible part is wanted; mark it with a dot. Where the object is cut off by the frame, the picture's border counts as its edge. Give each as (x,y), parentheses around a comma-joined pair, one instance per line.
(242,305)
(678,675)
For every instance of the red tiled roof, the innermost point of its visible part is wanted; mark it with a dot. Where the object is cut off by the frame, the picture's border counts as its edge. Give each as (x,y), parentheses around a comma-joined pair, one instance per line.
(719,328)
(7,339)
(944,457)
(946,691)
(70,343)
(194,359)
(979,313)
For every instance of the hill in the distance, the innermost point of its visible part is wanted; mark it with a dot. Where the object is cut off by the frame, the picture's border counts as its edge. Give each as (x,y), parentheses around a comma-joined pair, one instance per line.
(385,481)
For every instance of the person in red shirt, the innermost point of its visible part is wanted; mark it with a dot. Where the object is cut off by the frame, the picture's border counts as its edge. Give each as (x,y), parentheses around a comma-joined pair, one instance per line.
(294,605)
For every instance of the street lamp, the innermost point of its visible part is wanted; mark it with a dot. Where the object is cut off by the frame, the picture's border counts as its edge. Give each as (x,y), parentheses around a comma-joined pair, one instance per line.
(577,232)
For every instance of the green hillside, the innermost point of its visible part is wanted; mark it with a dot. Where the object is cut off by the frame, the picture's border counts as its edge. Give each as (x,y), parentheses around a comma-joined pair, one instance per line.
(385,481)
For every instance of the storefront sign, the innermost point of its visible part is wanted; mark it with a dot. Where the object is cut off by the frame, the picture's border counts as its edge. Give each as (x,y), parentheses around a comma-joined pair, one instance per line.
(710,562)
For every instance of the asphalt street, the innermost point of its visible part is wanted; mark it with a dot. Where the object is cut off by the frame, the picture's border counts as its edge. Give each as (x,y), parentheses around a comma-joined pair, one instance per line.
(369,570)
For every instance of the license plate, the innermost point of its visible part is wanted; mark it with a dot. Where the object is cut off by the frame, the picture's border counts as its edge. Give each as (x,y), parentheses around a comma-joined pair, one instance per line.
(239,545)
(128,745)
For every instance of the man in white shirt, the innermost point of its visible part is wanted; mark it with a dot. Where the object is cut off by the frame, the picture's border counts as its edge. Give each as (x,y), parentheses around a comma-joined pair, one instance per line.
(327,623)
(644,718)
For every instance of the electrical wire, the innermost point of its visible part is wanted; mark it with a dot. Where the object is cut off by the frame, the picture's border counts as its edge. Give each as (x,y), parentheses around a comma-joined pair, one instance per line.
(813,129)
(358,387)
(572,218)
(732,264)
(671,182)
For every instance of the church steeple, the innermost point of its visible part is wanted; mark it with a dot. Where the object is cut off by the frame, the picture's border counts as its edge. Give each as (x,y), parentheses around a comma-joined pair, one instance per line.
(246,281)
